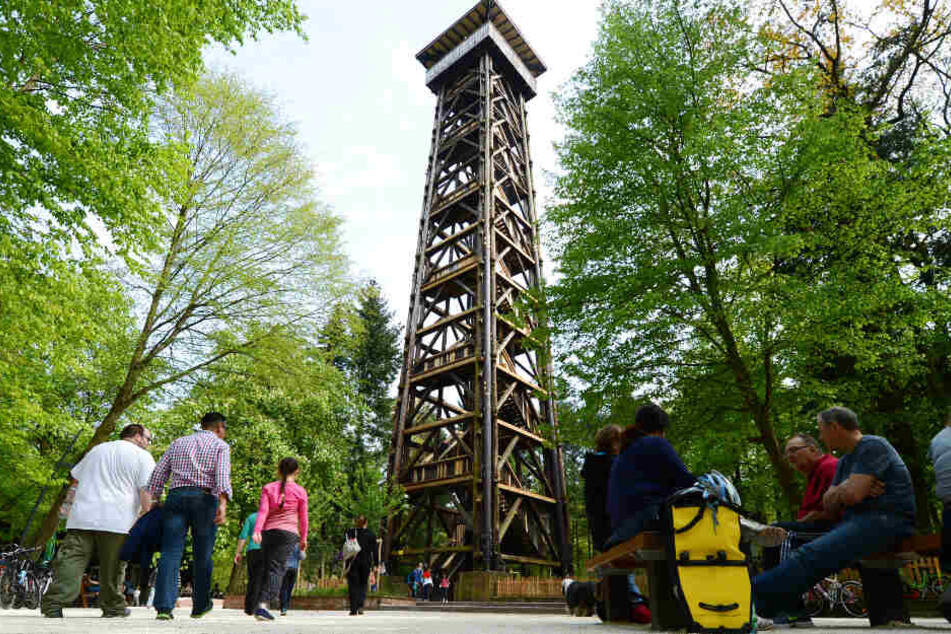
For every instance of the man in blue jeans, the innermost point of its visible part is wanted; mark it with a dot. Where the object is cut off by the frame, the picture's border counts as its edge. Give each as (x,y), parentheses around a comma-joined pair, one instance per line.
(198,469)
(871,523)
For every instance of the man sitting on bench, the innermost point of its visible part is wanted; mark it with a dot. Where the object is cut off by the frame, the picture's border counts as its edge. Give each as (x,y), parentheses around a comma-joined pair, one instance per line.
(870,524)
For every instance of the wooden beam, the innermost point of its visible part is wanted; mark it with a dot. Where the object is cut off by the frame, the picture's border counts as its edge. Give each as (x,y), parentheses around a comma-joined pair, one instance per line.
(509,517)
(410,431)
(417,486)
(528,494)
(521,432)
(508,451)
(438,549)
(531,560)
(417,378)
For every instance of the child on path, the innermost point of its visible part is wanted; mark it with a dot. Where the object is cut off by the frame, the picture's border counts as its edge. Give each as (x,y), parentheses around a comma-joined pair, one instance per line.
(281,525)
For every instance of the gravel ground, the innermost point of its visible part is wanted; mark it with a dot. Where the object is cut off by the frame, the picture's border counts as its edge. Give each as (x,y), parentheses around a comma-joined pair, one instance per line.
(234,622)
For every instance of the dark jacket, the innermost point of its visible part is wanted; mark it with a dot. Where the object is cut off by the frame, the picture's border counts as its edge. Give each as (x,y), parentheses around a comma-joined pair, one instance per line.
(367,557)
(646,473)
(596,473)
(144,539)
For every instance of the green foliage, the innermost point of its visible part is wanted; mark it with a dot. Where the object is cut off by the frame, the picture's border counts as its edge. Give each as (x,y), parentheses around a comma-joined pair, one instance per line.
(77,82)
(64,329)
(734,248)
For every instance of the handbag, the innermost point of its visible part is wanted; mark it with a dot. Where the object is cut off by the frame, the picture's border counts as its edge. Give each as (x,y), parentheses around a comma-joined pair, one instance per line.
(351,547)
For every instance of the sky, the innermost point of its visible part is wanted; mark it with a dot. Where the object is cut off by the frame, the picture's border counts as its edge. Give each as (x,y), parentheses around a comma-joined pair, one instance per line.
(359,99)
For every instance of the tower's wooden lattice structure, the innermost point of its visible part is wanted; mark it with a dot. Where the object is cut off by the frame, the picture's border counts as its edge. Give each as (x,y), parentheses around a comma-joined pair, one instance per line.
(473,437)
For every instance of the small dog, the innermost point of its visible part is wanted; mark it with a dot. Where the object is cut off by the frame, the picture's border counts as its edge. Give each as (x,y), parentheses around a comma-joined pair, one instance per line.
(580,596)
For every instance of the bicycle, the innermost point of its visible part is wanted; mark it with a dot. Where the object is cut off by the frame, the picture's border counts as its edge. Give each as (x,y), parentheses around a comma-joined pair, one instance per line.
(830,592)
(20,583)
(923,579)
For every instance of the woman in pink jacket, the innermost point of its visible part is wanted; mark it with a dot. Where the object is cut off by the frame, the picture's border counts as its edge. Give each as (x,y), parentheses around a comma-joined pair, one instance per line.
(282,524)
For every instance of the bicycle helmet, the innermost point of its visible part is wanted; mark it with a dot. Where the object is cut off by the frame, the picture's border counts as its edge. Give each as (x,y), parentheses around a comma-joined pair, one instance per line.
(719,486)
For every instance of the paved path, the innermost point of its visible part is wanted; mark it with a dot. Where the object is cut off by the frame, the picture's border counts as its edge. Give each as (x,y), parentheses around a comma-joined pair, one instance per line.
(143,621)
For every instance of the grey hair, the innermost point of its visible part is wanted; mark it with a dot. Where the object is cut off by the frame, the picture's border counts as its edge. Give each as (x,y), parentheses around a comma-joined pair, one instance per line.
(808,440)
(846,418)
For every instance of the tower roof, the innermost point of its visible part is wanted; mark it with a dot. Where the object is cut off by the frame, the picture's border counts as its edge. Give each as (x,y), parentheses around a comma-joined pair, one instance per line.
(473,26)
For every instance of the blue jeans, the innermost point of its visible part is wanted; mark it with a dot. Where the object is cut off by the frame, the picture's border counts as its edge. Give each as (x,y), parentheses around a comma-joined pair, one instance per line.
(777,591)
(186,508)
(287,588)
(645,519)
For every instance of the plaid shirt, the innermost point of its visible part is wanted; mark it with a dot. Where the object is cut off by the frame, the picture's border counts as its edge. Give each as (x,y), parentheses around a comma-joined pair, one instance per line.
(199,460)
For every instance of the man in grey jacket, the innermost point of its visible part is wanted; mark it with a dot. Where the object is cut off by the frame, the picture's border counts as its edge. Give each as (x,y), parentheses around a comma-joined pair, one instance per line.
(940,454)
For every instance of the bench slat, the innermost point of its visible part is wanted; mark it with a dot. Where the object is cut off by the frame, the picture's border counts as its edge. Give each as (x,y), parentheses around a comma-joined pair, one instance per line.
(634,553)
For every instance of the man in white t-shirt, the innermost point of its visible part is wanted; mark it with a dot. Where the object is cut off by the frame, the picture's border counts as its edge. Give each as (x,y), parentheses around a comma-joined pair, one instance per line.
(111,493)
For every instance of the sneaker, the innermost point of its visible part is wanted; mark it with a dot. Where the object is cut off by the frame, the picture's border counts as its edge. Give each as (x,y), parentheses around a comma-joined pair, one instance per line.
(263,615)
(803,622)
(164,616)
(640,613)
(126,612)
(283,612)
(54,614)
(761,623)
(198,615)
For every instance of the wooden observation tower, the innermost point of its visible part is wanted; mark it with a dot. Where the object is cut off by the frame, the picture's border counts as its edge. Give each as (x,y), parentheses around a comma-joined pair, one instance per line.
(474,442)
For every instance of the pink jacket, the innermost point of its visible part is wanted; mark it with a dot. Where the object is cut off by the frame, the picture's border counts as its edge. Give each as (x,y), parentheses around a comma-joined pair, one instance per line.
(292,518)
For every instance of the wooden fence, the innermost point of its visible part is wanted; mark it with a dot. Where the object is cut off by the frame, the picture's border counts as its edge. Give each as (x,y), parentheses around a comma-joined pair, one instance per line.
(528,588)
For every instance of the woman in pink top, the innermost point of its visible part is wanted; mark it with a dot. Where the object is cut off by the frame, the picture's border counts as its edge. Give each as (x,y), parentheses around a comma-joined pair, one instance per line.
(282,524)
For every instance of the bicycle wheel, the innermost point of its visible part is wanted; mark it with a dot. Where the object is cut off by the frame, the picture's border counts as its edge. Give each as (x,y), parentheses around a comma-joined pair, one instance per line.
(852,598)
(7,589)
(31,592)
(813,602)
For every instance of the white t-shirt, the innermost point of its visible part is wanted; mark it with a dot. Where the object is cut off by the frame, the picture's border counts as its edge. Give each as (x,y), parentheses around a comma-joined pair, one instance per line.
(107,497)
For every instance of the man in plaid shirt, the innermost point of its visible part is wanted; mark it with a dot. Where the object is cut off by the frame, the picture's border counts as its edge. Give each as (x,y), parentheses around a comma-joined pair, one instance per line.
(198,470)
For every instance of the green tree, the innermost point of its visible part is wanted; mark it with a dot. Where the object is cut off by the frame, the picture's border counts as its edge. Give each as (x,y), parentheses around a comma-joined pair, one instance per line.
(376,361)
(77,83)
(749,244)
(245,252)
(666,221)
(65,326)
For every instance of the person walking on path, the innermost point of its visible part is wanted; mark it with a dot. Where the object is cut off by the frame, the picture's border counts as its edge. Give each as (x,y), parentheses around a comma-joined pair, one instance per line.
(255,558)
(290,578)
(110,495)
(281,525)
(197,468)
(358,574)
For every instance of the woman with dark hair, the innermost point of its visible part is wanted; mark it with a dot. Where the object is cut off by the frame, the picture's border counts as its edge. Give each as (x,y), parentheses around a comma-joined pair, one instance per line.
(281,525)
(646,473)
(358,573)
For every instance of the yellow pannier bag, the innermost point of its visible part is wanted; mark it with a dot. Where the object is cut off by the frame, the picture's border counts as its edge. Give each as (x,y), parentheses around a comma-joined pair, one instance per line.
(711,574)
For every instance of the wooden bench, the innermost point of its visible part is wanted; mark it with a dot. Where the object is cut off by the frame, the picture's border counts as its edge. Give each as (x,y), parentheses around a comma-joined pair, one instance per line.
(645,550)
(648,550)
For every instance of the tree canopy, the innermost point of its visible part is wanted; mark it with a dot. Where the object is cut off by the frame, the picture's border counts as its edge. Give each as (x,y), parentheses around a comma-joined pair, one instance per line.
(736,240)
